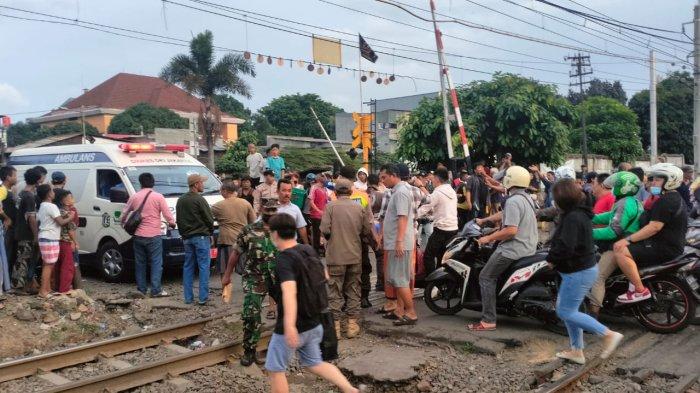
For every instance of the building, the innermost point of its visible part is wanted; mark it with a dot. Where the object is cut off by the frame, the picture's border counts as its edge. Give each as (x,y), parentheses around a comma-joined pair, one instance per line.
(99,105)
(388,111)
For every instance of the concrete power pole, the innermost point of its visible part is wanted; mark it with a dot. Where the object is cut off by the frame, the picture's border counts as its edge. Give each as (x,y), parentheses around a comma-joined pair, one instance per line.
(696,88)
(652,107)
(582,67)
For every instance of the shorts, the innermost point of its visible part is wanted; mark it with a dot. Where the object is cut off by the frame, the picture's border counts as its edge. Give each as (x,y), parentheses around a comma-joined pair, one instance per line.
(399,269)
(646,254)
(49,250)
(279,354)
(222,255)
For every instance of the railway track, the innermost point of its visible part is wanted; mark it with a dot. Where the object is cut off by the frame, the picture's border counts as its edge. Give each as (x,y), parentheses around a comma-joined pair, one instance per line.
(179,360)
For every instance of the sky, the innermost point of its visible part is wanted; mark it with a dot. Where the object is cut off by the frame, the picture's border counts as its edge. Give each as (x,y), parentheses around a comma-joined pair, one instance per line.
(43,64)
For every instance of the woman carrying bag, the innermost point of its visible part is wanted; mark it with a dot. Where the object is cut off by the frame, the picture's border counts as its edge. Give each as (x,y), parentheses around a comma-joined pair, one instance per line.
(572,256)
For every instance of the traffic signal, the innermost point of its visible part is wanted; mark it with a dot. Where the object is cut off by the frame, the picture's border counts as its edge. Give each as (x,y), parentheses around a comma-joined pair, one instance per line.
(362,135)
(6,121)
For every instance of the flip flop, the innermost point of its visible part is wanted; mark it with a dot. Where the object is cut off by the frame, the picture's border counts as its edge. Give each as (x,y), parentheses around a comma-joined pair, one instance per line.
(392,316)
(405,321)
(479,327)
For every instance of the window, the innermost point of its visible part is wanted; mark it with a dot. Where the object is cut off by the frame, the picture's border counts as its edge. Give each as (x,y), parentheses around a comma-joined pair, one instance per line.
(106,180)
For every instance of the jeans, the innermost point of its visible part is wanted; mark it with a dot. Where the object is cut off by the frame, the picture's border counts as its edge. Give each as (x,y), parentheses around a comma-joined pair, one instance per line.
(488,281)
(148,251)
(196,254)
(5,280)
(573,288)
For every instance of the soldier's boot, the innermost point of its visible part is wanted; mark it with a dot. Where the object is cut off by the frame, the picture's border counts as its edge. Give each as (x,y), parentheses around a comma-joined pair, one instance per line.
(248,357)
(353,328)
(364,299)
(338,333)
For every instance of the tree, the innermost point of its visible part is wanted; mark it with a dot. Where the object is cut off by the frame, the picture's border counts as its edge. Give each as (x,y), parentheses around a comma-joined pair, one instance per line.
(145,118)
(611,128)
(599,88)
(21,133)
(233,160)
(290,115)
(198,74)
(674,105)
(508,114)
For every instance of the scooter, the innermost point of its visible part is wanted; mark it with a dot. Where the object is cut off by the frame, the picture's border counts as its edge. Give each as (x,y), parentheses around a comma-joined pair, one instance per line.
(529,287)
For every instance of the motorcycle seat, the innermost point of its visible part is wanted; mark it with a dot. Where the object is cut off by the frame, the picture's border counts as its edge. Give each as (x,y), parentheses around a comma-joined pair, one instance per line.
(527,261)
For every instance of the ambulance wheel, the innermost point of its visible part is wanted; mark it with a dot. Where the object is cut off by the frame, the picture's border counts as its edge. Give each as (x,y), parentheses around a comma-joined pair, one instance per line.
(111,263)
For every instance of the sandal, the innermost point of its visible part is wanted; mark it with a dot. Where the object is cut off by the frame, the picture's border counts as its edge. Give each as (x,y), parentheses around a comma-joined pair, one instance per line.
(480,327)
(271,314)
(392,316)
(405,321)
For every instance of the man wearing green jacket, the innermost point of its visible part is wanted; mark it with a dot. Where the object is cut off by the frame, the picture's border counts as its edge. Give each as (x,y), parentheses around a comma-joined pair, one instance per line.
(621,221)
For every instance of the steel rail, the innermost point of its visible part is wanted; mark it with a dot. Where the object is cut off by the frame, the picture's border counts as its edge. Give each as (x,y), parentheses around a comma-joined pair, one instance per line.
(140,375)
(86,353)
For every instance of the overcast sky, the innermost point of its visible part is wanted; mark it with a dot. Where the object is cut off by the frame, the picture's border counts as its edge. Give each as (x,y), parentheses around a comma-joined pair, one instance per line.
(42,64)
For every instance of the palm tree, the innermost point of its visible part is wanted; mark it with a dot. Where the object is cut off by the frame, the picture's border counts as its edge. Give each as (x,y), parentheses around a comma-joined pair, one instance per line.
(196,73)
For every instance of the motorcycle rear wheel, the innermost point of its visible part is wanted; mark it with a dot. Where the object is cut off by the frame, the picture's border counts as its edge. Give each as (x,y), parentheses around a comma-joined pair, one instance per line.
(671,308)
(443,296)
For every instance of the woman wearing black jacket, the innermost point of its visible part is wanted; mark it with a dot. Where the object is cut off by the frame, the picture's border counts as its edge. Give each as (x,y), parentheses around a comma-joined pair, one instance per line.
(572,255)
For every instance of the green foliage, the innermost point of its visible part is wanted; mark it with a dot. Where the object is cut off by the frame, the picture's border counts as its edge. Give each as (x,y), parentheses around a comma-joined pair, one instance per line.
(145,117)
(508,114)
(290,115)
(599,88)
(674,104)
(611,128)
(233,160)
(21,133)
(231,105)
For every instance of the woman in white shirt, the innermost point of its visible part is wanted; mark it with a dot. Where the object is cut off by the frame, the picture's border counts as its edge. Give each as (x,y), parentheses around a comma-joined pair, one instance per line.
(50,222)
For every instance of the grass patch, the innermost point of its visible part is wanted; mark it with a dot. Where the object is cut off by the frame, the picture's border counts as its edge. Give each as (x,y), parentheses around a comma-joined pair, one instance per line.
(88,328)
(467,348)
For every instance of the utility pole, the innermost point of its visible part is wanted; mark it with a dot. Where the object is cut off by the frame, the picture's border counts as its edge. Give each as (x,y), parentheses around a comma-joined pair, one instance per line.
(652,107)
(696,87)
(82,121)
(443,91)
(582,67)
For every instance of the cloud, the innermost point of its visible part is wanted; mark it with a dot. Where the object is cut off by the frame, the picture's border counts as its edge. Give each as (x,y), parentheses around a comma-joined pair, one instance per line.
(10,98)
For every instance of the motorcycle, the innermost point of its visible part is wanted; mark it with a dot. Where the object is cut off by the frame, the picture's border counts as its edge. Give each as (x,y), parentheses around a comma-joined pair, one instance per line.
(692,239)
(529,286)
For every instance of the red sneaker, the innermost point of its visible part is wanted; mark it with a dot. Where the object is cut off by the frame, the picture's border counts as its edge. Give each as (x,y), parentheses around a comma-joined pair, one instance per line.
(634,296)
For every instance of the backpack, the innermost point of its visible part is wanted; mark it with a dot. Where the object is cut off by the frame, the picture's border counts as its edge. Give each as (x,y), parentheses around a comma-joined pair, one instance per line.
(312,295)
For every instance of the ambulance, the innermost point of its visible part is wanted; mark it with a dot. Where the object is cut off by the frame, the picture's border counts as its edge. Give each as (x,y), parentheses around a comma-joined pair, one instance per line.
(101,178)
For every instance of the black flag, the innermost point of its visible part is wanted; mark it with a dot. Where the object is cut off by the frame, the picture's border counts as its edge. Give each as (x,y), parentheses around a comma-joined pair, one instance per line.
(366,51)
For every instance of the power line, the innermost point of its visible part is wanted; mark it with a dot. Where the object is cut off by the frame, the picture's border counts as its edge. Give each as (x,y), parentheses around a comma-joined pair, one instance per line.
(628,23)
(506,33)
(610,21)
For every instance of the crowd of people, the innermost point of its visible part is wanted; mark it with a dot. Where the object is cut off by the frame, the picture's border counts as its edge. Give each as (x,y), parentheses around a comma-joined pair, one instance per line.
(273,227)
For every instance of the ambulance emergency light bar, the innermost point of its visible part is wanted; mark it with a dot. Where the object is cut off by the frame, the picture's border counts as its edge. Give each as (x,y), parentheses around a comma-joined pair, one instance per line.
(152,147)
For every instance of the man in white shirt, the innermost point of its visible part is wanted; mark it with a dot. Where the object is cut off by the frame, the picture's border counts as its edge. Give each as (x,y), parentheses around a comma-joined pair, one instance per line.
(443,203)
(255,163)
(284,192)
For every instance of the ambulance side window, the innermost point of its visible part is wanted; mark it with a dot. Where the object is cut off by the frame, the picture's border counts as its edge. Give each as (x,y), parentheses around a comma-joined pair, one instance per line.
(106,179)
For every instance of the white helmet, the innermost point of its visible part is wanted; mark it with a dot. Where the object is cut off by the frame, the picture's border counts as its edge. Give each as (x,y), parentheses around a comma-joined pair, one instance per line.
(672,174)
(516,176)
(565,172)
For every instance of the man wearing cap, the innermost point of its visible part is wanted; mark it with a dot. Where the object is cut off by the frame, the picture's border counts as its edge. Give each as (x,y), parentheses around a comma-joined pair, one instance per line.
(58,180)
(196,225)
(265,191)
(344,224)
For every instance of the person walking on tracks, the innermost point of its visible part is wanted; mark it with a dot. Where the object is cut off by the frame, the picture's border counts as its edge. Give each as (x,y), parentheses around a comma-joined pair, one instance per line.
(255,246)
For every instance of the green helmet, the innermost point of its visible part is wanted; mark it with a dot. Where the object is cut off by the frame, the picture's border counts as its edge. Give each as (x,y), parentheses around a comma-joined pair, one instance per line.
(623,184)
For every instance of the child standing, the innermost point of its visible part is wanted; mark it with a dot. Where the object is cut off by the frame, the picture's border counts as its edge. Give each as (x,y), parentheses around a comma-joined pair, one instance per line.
(67,243)
(50,222)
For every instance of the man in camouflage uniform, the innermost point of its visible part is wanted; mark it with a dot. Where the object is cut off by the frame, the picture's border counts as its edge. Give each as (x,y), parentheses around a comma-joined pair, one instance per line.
(258,274)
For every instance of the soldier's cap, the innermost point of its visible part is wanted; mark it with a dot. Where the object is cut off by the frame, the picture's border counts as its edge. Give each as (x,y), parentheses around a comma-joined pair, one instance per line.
(343,185)
(270,205)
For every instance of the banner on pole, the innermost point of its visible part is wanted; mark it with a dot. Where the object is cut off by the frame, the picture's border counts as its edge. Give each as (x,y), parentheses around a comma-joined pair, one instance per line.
(326,50)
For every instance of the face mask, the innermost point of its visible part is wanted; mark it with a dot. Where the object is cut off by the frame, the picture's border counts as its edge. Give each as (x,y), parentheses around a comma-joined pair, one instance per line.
(655,190)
